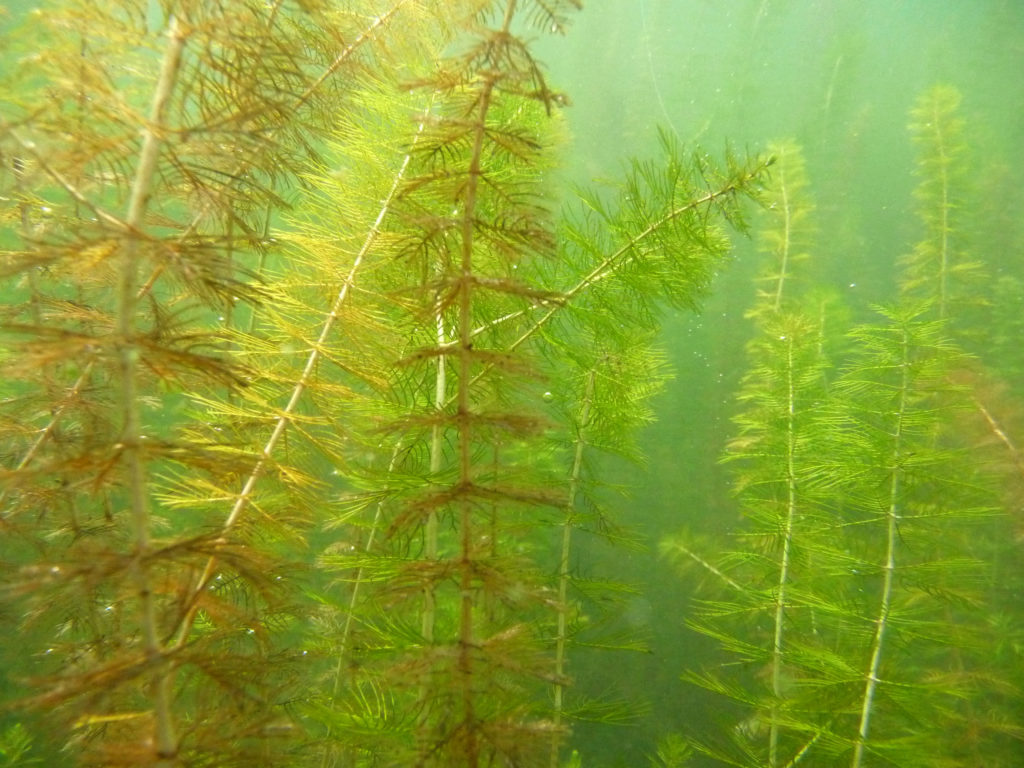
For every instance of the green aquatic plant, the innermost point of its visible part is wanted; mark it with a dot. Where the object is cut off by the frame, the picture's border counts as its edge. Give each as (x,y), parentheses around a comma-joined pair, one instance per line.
(214,379)
(940,268)
(917,504)
(673,752)
(758,606)
(138,193)
(856,574)
(603,406)
(16,748)
(786,228)
(855,587)
(774,455)
(539,331)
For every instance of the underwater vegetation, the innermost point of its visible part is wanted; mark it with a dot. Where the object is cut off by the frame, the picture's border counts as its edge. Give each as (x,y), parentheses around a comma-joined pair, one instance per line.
(857,603)
(312,366)
(305,371)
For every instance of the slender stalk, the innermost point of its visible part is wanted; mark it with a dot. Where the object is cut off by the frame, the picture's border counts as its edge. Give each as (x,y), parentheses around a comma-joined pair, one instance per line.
(889,568)
(436,455)
(165,745)
(611,264)
(465,447)
(1001,435)
(677,544)
(787,216)
(787,547)
(563,563)
(428,618)
(804,750)
(284,418)
(464,303)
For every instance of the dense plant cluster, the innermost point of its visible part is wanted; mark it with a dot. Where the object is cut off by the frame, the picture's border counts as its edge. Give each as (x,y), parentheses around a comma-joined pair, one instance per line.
(859,600)
(304,376)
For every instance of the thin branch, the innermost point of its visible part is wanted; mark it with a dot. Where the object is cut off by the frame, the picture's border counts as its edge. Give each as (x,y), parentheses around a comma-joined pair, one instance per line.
(166,746)
(284,418)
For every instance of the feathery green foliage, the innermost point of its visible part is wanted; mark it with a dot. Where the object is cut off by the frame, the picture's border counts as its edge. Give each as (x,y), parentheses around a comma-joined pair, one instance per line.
(915,508)
(140,191)
(787,229)
(849,599)
(15,747)
(939,269)
(291,276)
(775,447)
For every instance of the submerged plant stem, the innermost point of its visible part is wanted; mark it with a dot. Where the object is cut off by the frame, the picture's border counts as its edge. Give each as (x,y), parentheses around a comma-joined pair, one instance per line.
(131,432)
(787,546)
(563,562)
(281,424)
(889,567)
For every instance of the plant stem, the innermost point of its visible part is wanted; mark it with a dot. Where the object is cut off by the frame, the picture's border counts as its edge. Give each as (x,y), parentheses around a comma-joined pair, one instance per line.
(436,456)
(889,568)
(563,563)
(131,435)
(465,446)
(280,425)
(787,546)
(787,216)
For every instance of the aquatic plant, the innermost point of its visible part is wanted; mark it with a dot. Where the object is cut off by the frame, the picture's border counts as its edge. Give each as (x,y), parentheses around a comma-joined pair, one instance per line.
(786,229)
(210,374)
(939,267)
(552,378)
(760,605)
(856,577)
(15,748)
(139,191)
(917,504)
(942,270)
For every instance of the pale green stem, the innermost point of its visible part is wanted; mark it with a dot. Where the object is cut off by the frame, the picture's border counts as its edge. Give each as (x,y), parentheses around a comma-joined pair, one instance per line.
(430,526)
(889,568)
(563,563)
(787,216)
(706,565)
(281,424)
(787,546)
(1001,435)
(804,750)
(436,455)
(465,438)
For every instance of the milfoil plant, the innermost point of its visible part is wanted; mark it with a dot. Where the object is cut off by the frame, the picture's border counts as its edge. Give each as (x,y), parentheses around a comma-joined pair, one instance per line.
(303,376)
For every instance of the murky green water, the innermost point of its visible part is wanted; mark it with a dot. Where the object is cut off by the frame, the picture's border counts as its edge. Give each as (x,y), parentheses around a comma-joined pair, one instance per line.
(324,348)
(840,79)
